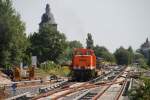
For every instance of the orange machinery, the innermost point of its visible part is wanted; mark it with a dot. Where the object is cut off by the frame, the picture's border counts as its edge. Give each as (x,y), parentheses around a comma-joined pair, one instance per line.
(83,64)
(20,74)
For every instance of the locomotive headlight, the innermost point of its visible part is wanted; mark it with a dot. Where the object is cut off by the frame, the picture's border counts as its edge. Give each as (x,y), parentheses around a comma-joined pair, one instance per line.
(88,63)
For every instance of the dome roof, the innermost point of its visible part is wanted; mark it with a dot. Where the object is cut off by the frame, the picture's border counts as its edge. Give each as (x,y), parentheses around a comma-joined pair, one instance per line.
(146,44)
(47,17)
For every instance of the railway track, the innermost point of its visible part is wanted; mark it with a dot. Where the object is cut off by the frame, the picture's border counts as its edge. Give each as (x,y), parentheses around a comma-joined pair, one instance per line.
(121,90)
(76,94)
(71,90)
(112,91)
(33,90)
(93,92)
(86,91)
(89,94)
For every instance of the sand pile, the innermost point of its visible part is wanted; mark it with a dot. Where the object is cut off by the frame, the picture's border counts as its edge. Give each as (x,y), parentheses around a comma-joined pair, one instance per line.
(4,80)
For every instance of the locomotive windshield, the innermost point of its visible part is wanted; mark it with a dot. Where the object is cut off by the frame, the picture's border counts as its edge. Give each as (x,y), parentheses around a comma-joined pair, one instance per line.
(78,53)
(83,53)
(88,53)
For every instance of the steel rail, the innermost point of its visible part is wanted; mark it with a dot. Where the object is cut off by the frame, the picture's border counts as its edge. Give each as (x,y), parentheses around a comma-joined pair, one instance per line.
(112,82)
(99,84)
(73,90)
(59,90)
(121,90)
(91,82)
(18,96)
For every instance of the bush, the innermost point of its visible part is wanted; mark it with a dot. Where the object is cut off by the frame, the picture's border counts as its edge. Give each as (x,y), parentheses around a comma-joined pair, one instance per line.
(48,65)
(142,92)
(51,68)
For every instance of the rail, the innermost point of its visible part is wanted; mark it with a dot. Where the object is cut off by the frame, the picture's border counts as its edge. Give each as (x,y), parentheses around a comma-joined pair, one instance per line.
(20,97)
(51,87)
(121,90)
(79,97)
(89,93)
(113,81)
(73,90)
(87,85)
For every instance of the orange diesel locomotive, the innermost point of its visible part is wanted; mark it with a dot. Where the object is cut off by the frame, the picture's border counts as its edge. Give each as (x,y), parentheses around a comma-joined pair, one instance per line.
(83,64)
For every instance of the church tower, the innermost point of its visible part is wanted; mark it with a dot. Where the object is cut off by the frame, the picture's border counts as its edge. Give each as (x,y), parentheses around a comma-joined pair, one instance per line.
(147,40)
(48,18)
(145,48)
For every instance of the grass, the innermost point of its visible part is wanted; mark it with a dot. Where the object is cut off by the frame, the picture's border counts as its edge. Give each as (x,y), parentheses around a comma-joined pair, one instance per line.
(59,71)
(40,73)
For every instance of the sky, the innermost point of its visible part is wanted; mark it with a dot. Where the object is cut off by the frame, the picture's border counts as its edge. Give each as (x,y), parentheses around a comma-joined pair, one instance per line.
(112,23)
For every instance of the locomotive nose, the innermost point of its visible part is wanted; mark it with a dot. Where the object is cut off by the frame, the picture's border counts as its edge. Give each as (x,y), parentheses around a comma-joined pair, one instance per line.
(84,64)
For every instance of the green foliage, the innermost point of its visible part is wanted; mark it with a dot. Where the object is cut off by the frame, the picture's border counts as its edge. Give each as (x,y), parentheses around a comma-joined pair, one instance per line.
(122,56)
(13,41)
(75,44)
(143,60)
(51,68)
(103,53)
(142,63)
(48,65)
(67,55)
(131,55)
(139,58)
(48,44)
(89,41)
(148,58)
(142,92)
(127,56)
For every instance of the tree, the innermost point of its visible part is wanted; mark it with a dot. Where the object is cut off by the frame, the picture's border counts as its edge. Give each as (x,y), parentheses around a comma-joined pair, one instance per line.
(131,54)
(71,46)
(148,58)
(13,41)
(99,49)
(74,44)
(102,52)
(122,56)
(89,41)
(67,55)
(48,44)
(142,92)
(140,60)
(138,56)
